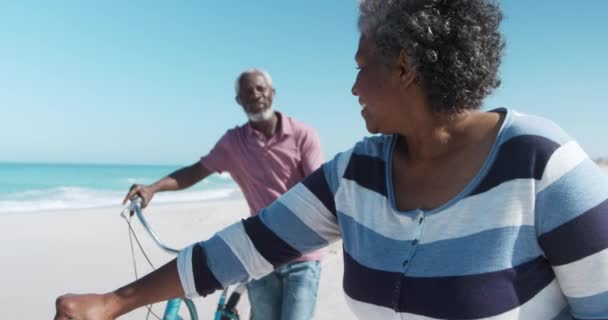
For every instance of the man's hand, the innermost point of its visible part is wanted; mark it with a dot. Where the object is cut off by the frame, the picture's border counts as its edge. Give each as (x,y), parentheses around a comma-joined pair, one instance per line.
(144,192)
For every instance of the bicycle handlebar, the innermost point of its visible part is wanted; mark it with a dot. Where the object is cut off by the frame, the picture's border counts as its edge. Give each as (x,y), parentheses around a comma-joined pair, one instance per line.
(225,310)
(135,206)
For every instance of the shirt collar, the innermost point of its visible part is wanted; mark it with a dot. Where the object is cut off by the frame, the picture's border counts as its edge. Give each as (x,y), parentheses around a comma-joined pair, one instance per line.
(285,129)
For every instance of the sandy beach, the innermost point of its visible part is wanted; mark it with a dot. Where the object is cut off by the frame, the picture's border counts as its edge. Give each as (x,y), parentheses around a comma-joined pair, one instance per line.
(50,253)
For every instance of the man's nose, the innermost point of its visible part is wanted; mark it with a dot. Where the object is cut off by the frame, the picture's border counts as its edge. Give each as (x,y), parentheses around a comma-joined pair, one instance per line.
(255,94)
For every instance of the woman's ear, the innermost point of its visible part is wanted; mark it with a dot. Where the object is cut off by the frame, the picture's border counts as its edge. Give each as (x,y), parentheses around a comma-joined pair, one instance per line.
(406,72)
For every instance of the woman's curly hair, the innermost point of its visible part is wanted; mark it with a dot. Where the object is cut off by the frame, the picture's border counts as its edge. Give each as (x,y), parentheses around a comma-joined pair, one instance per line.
(454,45)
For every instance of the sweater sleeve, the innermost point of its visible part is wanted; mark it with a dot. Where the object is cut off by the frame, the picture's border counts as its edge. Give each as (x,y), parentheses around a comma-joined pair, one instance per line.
(302,220)
(572,223)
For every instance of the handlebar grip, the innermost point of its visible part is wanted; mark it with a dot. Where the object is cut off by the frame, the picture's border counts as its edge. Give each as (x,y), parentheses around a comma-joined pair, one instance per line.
(234,298)
(233,301)
(135,205)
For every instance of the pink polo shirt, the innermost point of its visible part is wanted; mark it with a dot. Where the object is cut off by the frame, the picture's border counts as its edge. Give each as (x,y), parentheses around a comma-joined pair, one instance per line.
(265,169)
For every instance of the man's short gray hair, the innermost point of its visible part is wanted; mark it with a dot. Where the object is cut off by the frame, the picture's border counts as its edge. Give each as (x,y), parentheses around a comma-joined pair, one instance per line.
(262,72)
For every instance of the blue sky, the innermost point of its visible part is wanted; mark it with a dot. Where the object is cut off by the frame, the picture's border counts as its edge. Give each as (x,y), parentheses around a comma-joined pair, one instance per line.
(152,82)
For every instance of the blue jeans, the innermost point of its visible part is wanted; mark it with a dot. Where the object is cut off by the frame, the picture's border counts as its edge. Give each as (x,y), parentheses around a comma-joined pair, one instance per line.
(289,293)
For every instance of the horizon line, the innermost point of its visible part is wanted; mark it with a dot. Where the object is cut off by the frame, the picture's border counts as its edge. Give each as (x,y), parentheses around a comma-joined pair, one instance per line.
(68,163)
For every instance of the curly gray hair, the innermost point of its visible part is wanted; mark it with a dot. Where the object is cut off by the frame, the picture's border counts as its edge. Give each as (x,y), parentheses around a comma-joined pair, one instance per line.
(453,45)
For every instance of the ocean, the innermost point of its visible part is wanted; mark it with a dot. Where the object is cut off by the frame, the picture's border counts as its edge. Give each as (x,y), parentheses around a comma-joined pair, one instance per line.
(28,187)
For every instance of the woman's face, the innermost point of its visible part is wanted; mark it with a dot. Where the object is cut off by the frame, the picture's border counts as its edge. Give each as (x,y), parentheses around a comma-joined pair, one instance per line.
(378,87)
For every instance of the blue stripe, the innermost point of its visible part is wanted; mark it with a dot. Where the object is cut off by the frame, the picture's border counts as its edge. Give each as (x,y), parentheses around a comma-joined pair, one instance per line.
(575,193)
(204,280)
(522,157)
(317,184)
(372,249)
(564,315)
(375,146)
(368,172)
(579,238)
(487,251)
(223,263)
(594,307)
(267,243)
(463,297)
(330,169)
(534,125)
(286,225)
(468,255)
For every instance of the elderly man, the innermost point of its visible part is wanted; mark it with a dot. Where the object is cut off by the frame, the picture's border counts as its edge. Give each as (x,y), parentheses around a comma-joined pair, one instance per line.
(266,157)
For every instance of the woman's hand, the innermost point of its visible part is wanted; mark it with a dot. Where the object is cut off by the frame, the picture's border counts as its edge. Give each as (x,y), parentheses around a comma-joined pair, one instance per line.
(83,307)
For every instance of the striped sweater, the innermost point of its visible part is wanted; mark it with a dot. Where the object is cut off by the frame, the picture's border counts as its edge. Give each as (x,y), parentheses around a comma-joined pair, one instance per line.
(526,239)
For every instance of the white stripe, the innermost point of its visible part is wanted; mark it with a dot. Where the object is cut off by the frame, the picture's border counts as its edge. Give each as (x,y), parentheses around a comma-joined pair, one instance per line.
(366,311)
(485,211)
(184,268)
(373,211)
(305,205)
(585,277)
(564,159)
(237,240)
(510,204)
(343,161)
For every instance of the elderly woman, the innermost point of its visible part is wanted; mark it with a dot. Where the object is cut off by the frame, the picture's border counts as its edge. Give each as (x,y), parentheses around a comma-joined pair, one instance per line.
(450,213)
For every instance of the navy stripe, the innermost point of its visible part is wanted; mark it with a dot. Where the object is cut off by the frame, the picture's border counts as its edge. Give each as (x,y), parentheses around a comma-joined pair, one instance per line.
(370,285)
(522,157)
(204,281)
(579,238)
(476,296)
(317,184)
(268,244)
(368,172)
(457,297)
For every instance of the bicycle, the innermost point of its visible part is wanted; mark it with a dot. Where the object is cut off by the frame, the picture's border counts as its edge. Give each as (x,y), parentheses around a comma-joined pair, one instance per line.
(226,309)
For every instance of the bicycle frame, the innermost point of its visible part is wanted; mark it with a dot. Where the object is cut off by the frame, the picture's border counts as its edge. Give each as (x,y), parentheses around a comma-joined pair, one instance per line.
(224,311)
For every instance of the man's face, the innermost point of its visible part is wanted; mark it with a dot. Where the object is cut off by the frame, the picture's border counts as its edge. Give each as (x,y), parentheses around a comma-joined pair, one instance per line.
(255,94)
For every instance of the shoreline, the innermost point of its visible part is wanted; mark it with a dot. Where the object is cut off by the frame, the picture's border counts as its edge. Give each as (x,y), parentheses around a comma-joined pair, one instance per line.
(72,199)
(103,201)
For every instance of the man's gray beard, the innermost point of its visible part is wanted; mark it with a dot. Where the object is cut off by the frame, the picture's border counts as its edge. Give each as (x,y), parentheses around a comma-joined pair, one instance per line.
(261,116)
